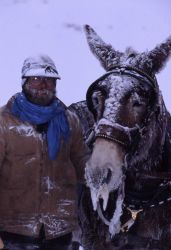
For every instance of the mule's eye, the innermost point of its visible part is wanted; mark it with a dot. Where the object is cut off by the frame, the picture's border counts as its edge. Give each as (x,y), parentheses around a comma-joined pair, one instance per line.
(138,100)
(98,103)
(137,104)
(95,98)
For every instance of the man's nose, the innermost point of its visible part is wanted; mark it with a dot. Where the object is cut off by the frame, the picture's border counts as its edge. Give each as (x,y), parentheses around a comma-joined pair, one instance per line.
(43,83)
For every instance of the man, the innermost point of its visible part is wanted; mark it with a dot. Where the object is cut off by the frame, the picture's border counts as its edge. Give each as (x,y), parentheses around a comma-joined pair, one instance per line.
(42,158)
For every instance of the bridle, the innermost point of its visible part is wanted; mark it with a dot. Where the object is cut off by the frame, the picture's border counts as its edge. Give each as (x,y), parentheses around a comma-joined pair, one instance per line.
(116,132)
(119,135)
(125,136)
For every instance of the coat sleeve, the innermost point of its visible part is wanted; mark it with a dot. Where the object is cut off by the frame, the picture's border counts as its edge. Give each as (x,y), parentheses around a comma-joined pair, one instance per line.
(79,152)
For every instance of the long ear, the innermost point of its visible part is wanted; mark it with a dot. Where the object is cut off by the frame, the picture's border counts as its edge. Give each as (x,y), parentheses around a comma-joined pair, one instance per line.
(104,52)
(160,55)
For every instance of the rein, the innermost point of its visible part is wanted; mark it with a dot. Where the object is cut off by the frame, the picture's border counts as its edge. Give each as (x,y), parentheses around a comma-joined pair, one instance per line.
(135,205)
(161,196)
(161,184)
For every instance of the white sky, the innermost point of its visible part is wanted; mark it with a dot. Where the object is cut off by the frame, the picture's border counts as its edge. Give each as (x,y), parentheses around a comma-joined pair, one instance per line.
(54,27)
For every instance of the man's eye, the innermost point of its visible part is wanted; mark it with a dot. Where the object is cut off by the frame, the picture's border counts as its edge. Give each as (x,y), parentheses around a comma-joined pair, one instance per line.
(48,80)
(35,80)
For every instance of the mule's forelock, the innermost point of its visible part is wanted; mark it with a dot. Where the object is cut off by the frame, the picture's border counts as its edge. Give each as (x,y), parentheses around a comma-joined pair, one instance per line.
(151,62)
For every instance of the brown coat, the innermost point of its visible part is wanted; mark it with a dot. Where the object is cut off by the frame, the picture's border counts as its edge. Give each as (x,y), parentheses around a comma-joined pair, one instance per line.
(33,189)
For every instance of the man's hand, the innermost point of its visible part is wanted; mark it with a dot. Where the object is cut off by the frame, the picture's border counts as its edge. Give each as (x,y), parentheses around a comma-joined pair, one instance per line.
(1,244)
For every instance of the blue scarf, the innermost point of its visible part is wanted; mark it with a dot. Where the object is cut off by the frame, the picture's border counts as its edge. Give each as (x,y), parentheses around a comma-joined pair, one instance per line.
(53,114)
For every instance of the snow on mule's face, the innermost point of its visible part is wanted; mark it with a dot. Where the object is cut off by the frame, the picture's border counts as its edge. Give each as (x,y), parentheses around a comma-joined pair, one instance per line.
(126,105)
(127,101)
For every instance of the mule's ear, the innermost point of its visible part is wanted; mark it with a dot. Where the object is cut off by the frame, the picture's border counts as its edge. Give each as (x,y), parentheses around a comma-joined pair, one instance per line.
(104,52)
(159,55)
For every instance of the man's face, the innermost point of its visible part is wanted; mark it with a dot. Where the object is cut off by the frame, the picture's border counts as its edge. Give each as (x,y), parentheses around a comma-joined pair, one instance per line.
(40,90)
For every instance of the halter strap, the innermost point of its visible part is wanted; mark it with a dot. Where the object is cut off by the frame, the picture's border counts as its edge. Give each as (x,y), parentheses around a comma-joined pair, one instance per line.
(118,134)
(115,134)
(133,71)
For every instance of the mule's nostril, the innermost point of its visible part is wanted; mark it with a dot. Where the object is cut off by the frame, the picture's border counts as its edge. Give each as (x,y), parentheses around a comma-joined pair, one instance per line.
(108,176)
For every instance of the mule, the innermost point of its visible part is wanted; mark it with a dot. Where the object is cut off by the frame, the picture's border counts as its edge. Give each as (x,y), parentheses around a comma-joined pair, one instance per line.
(128,173)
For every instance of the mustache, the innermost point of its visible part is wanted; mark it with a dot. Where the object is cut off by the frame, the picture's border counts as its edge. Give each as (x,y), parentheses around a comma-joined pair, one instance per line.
(42,91)
(40,97)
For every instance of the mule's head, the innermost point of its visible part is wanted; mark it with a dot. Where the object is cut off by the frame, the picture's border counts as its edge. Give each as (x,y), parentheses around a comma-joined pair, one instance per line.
(129,112)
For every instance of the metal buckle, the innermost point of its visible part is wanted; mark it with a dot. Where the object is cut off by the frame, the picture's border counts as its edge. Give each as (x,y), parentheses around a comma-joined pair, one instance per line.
(126,226)
(134,212)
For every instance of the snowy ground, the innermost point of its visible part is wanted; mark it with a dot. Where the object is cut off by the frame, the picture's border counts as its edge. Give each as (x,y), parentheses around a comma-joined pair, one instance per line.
(55,27)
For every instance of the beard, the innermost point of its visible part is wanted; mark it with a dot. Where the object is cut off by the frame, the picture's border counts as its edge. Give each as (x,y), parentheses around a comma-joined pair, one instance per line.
(42,97)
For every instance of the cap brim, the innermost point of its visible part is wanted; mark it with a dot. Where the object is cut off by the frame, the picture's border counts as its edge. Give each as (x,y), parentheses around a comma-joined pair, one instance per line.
(42,73)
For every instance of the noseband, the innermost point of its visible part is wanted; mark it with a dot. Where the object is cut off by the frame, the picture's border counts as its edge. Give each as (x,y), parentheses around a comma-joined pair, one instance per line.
(116,132)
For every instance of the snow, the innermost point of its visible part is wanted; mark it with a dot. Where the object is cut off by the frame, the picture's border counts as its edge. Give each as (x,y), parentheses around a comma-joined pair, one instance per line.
(32,226)
(49,185)
(117,87)
(53,27)
(30,161)
(27,130)
(115,223)
(41,65)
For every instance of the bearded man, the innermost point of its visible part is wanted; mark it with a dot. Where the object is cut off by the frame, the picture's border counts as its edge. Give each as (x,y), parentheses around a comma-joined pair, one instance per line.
(42,159)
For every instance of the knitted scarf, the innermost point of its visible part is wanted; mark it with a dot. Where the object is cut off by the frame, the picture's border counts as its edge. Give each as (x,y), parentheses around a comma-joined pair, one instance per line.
(53,114)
